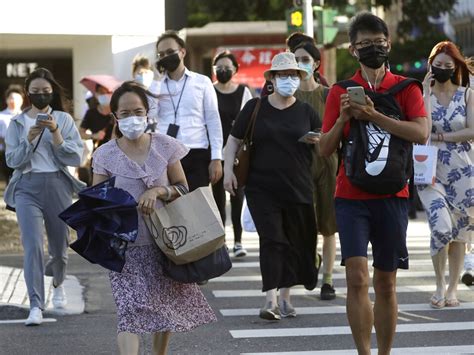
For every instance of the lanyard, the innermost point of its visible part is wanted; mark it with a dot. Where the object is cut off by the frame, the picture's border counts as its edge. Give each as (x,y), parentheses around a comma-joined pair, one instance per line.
(175,108)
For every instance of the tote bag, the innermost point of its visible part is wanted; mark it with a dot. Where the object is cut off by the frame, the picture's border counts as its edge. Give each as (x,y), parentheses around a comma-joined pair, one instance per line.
(425,158)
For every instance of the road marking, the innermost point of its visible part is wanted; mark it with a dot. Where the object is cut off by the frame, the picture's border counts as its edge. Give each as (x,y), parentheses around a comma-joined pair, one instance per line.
(412,262)
(343,330)
(423,251)
(447,350)
(414,307)
(299,291)
(18,321)
(248,278)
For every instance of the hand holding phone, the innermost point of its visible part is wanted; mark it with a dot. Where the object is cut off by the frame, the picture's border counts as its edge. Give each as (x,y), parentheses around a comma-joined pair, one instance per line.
(309,136)
(357,95)
(41,117)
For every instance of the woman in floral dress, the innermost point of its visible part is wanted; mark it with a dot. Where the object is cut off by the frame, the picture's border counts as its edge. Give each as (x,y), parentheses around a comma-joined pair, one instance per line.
(147,165)
(449,203)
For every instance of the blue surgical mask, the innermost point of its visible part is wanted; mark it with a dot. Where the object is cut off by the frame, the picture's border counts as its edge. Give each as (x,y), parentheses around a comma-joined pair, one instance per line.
(308,68)
(287,87)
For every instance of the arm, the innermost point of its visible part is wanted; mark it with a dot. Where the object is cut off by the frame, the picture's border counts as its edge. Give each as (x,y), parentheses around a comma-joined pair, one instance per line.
(98,178)
(230,150)
(147,201)
(67,144)
(467,133)
(18,150)
(212,120)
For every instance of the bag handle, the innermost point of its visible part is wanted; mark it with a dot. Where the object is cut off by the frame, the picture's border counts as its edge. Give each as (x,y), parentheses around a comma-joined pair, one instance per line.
(251,126)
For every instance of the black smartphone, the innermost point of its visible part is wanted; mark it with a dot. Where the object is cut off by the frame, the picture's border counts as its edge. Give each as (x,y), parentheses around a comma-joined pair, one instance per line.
(173,130)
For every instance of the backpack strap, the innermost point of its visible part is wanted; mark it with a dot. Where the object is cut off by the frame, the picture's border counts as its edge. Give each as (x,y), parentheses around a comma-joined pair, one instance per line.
(402,85)
(347,83)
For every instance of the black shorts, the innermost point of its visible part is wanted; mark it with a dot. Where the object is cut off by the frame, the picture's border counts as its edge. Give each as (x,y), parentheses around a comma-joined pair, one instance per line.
(382,222)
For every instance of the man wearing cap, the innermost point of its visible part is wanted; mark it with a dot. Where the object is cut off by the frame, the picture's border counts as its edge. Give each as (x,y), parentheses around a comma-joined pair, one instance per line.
(279,185)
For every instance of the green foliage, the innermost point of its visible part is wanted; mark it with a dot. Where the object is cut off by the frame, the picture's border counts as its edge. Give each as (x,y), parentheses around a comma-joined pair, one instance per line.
(346,64)
(201,12)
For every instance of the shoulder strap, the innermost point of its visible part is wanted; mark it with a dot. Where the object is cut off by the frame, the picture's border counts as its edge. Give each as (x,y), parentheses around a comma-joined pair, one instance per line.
(347,83)
(403,84)
(251,126)
(325,93)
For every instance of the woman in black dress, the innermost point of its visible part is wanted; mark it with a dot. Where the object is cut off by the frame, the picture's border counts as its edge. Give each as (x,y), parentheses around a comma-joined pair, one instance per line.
(279,186)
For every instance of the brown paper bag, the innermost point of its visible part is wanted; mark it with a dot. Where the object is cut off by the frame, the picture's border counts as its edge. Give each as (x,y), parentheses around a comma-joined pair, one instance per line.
(189,228)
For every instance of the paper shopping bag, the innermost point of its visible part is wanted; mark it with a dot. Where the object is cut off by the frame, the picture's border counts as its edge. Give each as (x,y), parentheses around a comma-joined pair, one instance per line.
(189,228)
(425,158)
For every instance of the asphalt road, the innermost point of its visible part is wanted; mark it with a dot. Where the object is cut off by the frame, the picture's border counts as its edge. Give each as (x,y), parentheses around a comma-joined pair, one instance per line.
(320,327)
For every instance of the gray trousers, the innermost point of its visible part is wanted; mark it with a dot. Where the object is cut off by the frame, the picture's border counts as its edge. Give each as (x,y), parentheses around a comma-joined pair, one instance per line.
(39,198)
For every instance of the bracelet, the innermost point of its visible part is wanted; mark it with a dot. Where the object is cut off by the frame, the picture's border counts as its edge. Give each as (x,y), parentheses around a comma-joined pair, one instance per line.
(54,130)
(168,193)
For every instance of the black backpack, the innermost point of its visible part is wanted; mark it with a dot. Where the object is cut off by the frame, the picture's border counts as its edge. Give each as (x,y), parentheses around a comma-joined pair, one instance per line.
(376,161)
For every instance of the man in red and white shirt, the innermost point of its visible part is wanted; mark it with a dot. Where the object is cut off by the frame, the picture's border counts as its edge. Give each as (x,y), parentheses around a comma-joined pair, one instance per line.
(363,217)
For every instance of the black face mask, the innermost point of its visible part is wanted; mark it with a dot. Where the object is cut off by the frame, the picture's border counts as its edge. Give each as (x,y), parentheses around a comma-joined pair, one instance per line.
(169,63)
(373,56)
(223,76)
(40,101)
(442,75)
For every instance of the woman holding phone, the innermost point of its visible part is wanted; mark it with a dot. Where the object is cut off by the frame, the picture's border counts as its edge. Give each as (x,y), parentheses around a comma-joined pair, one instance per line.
(41,143)
(279,186)
(449,201)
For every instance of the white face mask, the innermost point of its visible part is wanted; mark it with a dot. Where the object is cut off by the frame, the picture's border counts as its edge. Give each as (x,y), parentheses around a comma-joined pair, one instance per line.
(104,99)
(145,78)
(132,127)
(287,87)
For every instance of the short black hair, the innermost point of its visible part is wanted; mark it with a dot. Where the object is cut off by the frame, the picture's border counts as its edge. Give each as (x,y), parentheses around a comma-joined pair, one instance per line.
(366,22)
(226,54)
(171,34)
(297,38)
(133,87)
(311,49)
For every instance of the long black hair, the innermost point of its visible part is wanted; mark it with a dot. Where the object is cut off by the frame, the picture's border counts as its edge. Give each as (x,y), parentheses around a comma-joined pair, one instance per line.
(59,98)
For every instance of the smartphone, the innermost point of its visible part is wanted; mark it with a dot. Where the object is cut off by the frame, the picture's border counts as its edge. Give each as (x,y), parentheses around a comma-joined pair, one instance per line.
(42,117)
(357,94)
(310,134)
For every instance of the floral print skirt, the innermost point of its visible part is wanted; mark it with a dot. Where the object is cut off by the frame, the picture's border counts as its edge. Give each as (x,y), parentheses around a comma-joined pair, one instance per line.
(147,301)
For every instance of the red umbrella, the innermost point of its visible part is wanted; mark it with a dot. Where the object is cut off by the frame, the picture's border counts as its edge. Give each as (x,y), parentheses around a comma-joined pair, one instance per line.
(107,81)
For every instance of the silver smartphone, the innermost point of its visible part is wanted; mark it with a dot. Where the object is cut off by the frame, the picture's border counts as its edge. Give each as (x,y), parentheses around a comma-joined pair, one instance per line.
(309,134)
(42,117)
(357,95)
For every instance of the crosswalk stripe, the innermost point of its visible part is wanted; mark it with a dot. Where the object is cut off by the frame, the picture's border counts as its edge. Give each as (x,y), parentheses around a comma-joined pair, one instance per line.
(415,262)
(20,321)
(335,276)
(234,312)
(343,330)
(425,350)
(299,291)
(423,251)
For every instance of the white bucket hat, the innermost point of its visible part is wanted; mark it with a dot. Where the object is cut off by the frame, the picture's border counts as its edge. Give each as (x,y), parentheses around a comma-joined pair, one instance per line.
(283,61)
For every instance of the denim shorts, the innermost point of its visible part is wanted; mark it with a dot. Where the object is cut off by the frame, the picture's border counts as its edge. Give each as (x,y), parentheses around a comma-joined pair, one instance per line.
(382,222)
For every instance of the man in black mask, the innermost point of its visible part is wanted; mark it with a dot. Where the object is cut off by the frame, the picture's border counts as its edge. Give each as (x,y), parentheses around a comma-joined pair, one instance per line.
(363,216)
(187,110)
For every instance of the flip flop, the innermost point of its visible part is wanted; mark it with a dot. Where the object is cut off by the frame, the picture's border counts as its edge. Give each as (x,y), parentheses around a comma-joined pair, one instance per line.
(452,302)
(437,303)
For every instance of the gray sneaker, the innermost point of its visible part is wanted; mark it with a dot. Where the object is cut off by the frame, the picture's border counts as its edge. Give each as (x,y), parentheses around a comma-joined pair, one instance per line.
(269,313)
(287,309)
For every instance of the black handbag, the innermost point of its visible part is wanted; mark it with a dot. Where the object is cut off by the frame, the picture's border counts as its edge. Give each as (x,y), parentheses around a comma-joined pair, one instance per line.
(209,267)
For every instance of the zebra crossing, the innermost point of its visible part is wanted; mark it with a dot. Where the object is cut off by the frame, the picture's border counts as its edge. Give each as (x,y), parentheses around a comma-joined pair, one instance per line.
(321,327)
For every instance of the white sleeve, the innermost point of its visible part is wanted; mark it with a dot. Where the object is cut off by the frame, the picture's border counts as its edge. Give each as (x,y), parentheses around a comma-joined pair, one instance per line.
(213,120)
(245,97)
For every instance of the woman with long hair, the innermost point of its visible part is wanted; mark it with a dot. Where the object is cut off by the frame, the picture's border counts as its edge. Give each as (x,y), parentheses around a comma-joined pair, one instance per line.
(449,202)
(41,143)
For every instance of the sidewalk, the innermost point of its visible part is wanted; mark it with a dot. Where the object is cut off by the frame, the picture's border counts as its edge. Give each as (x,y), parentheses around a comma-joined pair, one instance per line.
(13,292)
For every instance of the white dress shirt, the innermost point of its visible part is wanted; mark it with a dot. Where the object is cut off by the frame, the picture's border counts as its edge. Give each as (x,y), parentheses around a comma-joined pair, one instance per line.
(197,113)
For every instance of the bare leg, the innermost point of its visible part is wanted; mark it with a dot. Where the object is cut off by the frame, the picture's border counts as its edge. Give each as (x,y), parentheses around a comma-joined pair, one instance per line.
(359,307)
(385,309)
(285,294)
(439,264)
(128,343)
(456,259)
(329,254)
(160,343)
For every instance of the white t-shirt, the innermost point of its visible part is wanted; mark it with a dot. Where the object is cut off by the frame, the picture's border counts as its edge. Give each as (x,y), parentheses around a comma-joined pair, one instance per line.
(40,161)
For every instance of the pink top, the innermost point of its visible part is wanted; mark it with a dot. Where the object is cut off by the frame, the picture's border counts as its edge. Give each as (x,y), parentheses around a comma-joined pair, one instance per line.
(110,160)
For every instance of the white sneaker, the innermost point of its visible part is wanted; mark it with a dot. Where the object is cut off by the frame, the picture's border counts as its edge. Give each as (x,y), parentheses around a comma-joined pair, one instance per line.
(59,297)
(35,317)
(239,250)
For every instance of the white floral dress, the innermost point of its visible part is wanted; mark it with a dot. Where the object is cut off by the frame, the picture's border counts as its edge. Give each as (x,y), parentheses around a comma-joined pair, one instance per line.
(449,203)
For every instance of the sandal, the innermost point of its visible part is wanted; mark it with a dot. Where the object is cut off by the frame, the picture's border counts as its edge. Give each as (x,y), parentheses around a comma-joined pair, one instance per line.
(437,303)
(452,302)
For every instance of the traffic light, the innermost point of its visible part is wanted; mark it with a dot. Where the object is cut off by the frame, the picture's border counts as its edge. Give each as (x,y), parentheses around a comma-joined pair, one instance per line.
(295,20)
